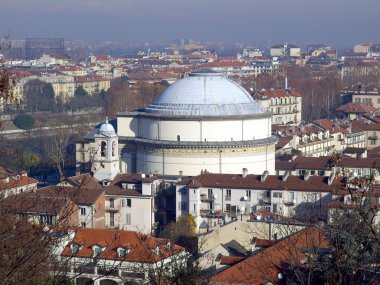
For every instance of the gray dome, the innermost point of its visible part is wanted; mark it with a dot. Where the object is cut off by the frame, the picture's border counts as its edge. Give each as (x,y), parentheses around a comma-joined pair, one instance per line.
(205,93)
(107,129)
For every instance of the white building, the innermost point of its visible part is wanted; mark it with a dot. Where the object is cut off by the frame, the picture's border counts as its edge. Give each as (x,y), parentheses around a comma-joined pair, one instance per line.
(215,199)
(203,121)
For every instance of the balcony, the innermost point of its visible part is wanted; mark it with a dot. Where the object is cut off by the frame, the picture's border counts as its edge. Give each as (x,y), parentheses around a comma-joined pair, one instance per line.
(372,138)
(264,200)
(211,213)
(207,198)
(289,202)
(113,208)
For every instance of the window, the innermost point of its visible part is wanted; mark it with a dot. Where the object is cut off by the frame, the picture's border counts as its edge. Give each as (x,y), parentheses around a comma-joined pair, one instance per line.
(113,148)
(83,211)
(248,194)
(112,203)
(112,219)
(183,191)
(228,207)
(103,149)
(194,208)
(228,192)
(128,219)
(178,138)
(129,203)
(183,206)
(277,195)
(83,224)
(274,208)
(209,191)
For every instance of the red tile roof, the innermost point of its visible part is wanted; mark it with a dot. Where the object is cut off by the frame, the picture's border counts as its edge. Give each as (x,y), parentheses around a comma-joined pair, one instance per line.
(230,260)
(267,264)
(141,247)
(272,182)
(15,180)
(356,108)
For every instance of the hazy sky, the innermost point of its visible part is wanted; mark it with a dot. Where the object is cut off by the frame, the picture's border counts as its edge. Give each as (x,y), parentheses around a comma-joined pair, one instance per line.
(260,22)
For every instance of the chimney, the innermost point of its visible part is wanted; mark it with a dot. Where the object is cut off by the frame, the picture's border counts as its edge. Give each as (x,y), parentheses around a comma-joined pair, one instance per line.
(244,172)
(306,175)
(286,82)
(264,176)
(286,175)
(180,173)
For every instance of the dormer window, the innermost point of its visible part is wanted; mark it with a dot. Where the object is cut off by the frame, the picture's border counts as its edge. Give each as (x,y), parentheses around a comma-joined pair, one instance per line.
(156,250)
(74,247)
(122,252)
(106,183)
(168,245)
(97,250)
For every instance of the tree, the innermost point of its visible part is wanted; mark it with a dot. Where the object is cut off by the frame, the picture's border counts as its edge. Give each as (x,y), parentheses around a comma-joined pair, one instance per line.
(79,91)
(39,96)
(24,121)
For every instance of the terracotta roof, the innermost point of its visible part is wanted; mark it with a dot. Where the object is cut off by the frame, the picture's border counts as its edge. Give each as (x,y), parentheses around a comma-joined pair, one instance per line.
(89,78)
(84,180)
(141,247)
(278,93)
(267,264)
(224,64)
(356,108)
(263,242)
(82,196)
(325,163)
(15,180)
(374,153)
(230,260)
(31,202)
(272,182)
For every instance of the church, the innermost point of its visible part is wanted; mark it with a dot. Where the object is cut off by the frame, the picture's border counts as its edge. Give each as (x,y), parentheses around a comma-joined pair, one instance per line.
(201,123)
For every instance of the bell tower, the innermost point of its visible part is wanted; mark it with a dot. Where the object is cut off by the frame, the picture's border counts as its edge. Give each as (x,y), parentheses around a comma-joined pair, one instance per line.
(106,156)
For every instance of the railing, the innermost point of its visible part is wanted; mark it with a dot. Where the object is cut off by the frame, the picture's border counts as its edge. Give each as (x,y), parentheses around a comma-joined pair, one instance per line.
(113,208)
(207,198)
(373,138)
(288,203)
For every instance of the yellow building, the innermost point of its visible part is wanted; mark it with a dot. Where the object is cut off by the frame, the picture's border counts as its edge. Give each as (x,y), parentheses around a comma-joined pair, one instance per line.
(92,83)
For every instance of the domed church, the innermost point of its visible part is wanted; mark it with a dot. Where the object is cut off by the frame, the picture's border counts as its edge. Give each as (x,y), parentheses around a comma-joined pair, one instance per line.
(203,122)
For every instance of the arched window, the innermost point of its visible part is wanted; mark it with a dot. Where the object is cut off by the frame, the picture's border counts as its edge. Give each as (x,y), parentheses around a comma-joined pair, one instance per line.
(103,149)
(113,148)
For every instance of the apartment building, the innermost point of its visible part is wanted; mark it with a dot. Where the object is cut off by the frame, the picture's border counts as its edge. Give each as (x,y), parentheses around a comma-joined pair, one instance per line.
(12,183)
(92,83)
(285,104)
(218,198)
(122,257)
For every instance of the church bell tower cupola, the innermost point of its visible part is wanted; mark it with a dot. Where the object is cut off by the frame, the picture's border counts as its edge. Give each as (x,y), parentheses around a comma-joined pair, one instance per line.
(106,156)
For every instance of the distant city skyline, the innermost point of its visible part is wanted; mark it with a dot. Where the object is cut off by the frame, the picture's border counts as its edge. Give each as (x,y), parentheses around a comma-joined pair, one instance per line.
(259,22)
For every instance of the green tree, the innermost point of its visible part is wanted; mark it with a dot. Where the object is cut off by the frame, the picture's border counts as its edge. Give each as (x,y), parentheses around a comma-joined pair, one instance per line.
(24,121)
(39,96)
(79,91)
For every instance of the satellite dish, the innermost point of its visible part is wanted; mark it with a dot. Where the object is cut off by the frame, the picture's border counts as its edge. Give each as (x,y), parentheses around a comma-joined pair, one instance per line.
(142,175)
(258,217)
(242,209)
(215,196)
(280,276)
(294,201)
(245,198)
